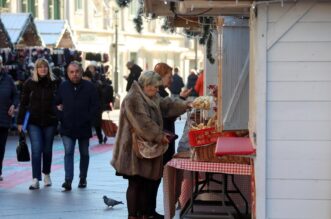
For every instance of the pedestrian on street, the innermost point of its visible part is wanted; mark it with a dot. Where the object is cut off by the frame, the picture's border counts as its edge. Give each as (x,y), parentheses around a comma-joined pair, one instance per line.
(191,81)
(177,84)
(8,103)
(135,72)
(198,87)
(141,111)
(165,71)
(77,103)
(38,98)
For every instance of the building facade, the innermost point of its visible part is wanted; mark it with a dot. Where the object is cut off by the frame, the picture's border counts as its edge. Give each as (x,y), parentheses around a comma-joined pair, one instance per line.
(99,26)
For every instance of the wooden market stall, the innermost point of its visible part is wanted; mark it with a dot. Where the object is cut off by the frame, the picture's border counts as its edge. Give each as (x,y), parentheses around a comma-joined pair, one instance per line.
(5,41)
(21,30)
(289,98)
(56,33)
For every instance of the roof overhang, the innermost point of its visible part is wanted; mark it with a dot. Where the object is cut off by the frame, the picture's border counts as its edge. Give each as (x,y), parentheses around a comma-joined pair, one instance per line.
(198,7)
(5,41)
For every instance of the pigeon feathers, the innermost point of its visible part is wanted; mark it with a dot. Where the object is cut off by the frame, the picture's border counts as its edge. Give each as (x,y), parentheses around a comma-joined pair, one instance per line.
(110,202)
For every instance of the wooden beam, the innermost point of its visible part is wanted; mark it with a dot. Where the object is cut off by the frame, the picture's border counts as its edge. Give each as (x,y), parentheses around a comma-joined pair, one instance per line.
(185,6)
(286,22)
(260,163)
(185,22)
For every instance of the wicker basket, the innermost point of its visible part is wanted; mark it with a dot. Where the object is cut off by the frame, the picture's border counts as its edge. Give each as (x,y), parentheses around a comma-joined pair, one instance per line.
(207,154)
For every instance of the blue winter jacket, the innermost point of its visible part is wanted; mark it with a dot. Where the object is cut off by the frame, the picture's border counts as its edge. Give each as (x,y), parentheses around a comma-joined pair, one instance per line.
(8,97)
(80,106)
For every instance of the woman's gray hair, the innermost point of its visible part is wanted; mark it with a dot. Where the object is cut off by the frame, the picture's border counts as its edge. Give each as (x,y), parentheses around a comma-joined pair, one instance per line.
(39,63)
(150,78)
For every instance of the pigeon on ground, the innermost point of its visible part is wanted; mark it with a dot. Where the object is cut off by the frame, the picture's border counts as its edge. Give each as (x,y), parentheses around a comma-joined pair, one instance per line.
(110,202)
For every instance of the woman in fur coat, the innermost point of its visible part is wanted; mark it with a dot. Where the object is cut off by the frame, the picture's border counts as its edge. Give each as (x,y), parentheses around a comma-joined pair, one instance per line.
(141,111)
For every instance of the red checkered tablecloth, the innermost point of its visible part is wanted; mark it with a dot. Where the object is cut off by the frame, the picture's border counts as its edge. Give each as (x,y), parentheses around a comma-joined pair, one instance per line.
(228,168)
(175,182)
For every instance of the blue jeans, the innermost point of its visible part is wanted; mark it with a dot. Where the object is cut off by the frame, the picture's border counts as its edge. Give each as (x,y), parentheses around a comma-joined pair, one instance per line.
(69,148)
(41,146)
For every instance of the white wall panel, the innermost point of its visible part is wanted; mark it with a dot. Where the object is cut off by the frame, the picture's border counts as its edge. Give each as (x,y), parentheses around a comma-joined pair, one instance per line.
(309,32)
(299,189)
(300,52)
(298,209)
(299,150)
(299,170)
(299,130)
(299,71)
(299,91)
(302,111)
(299,114)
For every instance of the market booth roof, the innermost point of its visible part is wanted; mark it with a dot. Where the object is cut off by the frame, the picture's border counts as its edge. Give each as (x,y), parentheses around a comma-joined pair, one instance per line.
(55,33)
(196,8)
(4,37)
(21,29)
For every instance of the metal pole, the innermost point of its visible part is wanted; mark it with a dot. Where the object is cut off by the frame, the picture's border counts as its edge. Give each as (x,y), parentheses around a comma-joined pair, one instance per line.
(196,52)
(116,53)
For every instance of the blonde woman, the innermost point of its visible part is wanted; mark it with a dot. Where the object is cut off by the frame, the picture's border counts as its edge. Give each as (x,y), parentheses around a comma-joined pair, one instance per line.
(38,97)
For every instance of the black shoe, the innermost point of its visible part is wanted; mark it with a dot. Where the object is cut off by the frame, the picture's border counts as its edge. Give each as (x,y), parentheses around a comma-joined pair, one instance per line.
(100,141)
(156,216)
(105,140)
(67,185)
(82,183)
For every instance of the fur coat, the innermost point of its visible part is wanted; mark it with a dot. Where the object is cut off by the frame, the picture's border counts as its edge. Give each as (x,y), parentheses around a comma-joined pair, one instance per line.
(143,114)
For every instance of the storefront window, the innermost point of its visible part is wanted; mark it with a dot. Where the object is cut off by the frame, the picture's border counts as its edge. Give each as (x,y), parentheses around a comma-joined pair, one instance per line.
(78,5)
(55,9)
(3,3)
(30,6)
(133,8)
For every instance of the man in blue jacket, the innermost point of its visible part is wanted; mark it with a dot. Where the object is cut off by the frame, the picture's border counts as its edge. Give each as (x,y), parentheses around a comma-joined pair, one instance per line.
(8,102)
(78,104)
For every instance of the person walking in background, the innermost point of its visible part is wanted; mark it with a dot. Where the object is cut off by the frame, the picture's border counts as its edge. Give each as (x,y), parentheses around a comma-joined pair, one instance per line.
(77,103)
(38,97)
(87,75)
(8,103)
(191,80)
(177,84)
(141,111)
(199,84)
(134,74)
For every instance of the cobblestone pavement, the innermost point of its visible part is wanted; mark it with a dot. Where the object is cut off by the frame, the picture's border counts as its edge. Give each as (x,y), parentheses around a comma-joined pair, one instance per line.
(17,201)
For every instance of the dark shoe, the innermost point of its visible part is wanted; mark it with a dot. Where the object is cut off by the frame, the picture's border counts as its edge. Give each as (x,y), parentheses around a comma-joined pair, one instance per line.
(100,141)
(105,140)
(82,183)
(156,216)
(67,185)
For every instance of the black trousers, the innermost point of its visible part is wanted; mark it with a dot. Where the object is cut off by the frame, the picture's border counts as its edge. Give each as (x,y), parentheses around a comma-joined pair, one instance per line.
(3,140)
(139,195)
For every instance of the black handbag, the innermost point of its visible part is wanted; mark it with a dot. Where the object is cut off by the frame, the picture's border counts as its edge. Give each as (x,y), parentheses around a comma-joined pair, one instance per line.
(22,150)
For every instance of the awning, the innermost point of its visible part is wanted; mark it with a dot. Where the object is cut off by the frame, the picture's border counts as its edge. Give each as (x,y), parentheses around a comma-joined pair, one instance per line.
(21,29)
(4,37)
(55,33)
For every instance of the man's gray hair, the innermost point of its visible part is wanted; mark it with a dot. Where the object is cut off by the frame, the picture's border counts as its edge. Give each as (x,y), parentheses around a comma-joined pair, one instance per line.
(150,78)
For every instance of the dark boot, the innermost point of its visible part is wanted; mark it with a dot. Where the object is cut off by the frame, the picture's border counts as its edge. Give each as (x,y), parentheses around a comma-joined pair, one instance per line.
(67,185)
(82,183)
(132,217)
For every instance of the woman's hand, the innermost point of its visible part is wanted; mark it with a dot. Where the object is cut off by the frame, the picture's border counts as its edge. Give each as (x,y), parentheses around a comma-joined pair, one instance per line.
(19,128)
(11,111)
(59,107)
(165,139)
(184,93)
